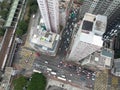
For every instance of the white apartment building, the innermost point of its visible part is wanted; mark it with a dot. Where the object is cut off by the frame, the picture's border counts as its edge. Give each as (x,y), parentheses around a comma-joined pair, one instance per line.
(89,37)
(44,42)
(50,13)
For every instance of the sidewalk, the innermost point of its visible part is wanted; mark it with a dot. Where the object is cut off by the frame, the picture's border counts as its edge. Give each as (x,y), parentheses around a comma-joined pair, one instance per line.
(66,86)
(101,80)
(72,86)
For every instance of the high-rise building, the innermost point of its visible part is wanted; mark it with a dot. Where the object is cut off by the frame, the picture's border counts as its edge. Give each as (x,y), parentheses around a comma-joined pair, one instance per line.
(50,13)
(43,41)
(103,7)
(89,37)
(85,7)
(114,20)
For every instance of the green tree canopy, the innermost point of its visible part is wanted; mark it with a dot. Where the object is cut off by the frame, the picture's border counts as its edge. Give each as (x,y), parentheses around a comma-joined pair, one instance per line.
(2,31)
(22,25)
(22,28)
(5,5)
(4,14)
(38,82)
(33,9)
(33,6)
(20,83)
(19,32)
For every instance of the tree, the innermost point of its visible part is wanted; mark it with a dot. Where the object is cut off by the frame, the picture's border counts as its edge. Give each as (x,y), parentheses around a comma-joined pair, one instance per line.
(33,9)
(2,31)
(33,6)
(22,28)
(19,32)
(37,82)
(4,14)
(19,83)
(5,5)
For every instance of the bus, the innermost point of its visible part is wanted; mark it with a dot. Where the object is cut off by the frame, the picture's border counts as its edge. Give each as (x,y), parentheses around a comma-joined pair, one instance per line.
(61,78)
(49,69)
(53,73)
(36,71)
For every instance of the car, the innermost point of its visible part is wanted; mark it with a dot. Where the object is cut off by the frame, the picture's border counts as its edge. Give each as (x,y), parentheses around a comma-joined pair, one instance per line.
(46,62)
(66,49)
(26,61)
(72,23)
(93,78)
(107,37)
(67,39)
(70,74)
(69,80)
(65,65)
(93,74)
(37,54)
(115,31)
(58,65)
(67,33)
(63,76)
(71,29)
(47,71)
(88,77)
(119,26)
(33,16)
(112,30)
(112,34)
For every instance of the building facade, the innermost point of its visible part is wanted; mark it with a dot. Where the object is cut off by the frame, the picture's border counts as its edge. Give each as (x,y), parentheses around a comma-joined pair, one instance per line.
(89,37)
(116,67)
(50,13)
(85,7)
(103,7)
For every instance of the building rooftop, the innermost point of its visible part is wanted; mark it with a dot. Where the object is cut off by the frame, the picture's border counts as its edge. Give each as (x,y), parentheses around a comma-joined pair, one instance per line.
(44,38)
(89,17)
(92,29)
(87,25)
(91,39)
(98,60)
(107,53)
(100,24)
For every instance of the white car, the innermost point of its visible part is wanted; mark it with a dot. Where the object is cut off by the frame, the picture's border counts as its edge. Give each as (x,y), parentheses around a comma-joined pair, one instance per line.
(93,79)
(115,31)
(33,16)
(63,76)
(46,62)
(58,65)
(69,80)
